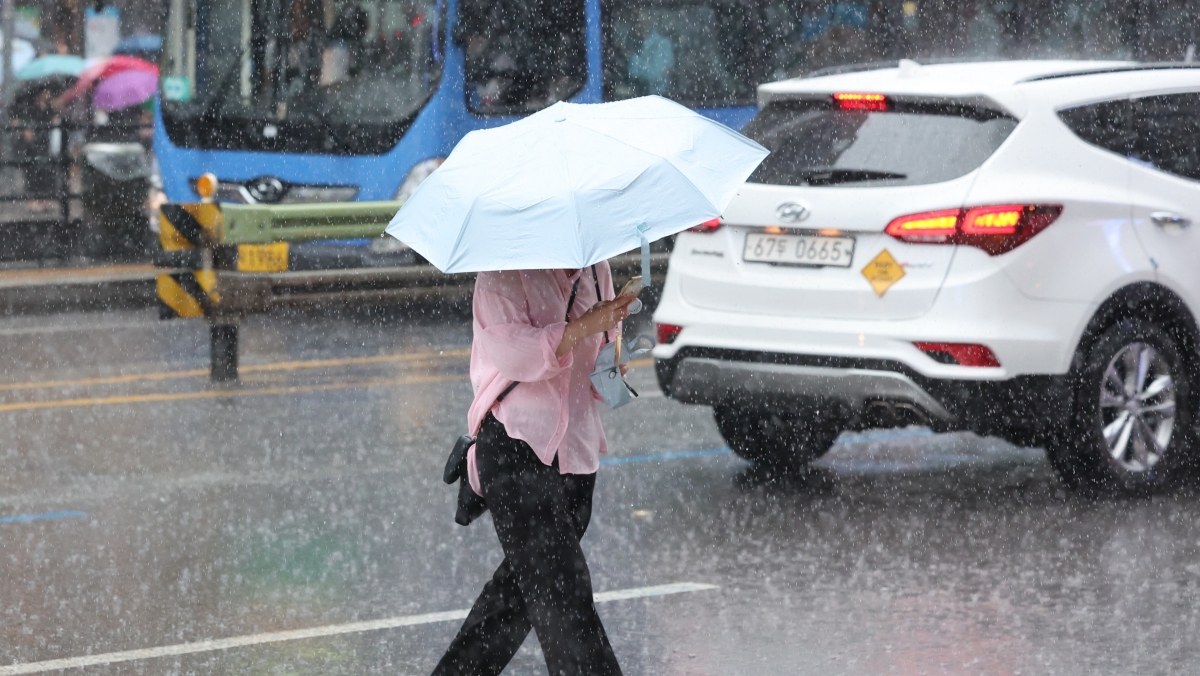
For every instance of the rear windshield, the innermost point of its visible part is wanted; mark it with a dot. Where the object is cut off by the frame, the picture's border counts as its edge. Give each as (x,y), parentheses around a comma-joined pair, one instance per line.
(812,143)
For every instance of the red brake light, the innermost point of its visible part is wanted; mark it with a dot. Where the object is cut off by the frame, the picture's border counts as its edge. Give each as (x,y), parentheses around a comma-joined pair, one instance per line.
(667,333)
(965,354)
(707,226)
(857,101)
(992,220)
(929,226)
(995,229)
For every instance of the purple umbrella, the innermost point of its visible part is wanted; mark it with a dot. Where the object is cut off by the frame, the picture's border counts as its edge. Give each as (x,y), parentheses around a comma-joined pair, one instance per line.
(125,89)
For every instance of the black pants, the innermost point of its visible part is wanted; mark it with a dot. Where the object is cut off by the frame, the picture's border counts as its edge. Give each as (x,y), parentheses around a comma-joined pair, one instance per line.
(543,582)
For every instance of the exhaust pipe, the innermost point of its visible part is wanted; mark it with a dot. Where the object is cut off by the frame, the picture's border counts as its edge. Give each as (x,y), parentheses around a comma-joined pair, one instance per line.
(881,414)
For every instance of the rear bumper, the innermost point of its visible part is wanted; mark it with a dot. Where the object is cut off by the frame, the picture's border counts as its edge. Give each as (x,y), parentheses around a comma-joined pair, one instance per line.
(868,392)
(714,382)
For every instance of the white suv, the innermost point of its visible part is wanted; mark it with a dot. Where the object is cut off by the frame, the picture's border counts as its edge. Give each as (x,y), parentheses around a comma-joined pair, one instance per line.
(1006,248)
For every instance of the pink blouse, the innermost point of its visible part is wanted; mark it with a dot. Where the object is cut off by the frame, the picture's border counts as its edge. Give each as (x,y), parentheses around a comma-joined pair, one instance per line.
(518,325)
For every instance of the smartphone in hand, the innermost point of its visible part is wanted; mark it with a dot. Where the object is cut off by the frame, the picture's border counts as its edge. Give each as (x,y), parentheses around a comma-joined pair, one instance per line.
(633,287)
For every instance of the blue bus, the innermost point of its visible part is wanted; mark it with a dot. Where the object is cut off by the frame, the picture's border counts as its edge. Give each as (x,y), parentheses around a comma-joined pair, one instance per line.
(338,100)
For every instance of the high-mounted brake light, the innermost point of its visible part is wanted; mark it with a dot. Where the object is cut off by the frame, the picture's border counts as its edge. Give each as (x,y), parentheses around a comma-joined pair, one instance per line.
(963,354)
(995,229)
(707,226)
(667,333)
(857,101)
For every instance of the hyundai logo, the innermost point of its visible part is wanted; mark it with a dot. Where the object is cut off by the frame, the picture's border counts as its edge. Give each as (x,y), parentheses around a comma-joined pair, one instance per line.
(790,212)
(266,189)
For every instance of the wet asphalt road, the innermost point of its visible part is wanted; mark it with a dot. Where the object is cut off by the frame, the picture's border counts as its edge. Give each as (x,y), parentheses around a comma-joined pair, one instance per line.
(141,506)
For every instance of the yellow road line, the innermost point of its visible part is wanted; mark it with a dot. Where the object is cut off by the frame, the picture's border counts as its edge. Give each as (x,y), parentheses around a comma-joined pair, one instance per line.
(196,373)
(352,361)
(217,394)
(72,273)
(263,391)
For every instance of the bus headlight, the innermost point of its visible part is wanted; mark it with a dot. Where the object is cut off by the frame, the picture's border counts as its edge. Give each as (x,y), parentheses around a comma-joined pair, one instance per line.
(415,177)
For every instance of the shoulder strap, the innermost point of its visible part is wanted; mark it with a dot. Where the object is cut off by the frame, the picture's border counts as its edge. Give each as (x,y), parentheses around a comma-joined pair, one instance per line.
(508,389)
(570,306)
(571,302)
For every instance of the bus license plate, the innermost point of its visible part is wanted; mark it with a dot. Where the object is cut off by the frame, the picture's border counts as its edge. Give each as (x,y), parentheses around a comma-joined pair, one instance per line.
(263,257)
(799,249)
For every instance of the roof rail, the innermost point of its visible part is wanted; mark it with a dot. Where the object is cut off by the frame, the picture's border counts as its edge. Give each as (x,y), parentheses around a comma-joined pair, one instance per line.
(1168,65)
(852,68)
(880,65)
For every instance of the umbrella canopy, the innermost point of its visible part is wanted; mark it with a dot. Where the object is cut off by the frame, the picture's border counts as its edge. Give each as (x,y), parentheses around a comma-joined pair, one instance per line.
(125,89)
(52,65)
(573,185)
(106,69)
(27,103)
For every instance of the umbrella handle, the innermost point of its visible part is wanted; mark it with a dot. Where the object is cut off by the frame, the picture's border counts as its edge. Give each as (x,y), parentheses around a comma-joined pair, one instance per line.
(642,227)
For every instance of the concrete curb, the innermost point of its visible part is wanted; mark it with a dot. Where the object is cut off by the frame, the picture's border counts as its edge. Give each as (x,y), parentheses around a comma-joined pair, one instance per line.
(51,290)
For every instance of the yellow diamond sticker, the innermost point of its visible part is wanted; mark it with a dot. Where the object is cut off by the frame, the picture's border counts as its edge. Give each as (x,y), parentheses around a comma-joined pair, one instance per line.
(882,272)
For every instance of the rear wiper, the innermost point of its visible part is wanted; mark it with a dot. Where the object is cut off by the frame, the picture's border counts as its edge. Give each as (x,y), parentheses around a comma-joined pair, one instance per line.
(836,176)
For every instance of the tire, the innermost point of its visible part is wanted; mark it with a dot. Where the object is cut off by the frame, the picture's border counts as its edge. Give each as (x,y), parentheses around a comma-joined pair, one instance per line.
(1129,433)
(779,440)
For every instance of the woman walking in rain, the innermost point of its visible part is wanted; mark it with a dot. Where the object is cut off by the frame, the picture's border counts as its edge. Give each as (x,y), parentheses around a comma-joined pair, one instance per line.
(548,200)
(535,464)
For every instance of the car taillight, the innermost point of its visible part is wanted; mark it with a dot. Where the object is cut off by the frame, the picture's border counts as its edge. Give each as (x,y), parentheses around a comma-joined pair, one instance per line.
(995,229)
(858,101)
(707,226)
(930,226)
(992,220)
(667,333)
(963,354)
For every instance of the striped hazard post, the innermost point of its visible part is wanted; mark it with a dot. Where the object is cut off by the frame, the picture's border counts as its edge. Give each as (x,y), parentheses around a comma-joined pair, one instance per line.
(185,232)
(190,236)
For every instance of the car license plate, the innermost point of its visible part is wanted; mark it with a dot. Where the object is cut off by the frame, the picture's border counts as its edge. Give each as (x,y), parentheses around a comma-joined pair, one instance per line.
(799,249)
(263,257)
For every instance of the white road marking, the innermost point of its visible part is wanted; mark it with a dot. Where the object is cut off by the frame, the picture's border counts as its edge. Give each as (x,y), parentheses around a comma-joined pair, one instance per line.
(315,632)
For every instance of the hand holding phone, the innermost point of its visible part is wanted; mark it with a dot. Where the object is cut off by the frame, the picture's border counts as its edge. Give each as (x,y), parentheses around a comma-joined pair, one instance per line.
(632,288)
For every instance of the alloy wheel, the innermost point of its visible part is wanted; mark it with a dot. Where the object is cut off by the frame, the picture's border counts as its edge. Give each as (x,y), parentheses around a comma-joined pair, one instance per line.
(1137,407)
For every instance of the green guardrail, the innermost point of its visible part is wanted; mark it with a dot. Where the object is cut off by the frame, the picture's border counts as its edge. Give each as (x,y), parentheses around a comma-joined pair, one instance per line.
(267,223)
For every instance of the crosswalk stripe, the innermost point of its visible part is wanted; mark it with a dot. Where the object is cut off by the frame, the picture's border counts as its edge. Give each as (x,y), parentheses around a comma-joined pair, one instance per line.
(314,632)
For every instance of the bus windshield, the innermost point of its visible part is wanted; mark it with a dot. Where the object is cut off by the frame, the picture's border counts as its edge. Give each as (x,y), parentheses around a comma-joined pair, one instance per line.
(714,53)
(324,76)
(697,53)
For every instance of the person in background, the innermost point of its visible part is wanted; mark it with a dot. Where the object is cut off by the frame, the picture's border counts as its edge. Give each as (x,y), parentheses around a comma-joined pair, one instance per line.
(651,65)
(33,114)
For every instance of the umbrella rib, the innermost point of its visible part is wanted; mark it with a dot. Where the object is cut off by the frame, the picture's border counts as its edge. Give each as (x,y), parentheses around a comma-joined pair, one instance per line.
(622,141)
(687,181)
(461,230)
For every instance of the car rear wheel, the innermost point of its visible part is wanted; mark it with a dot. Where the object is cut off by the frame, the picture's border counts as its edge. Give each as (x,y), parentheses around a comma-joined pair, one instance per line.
(780,440)
(1129,433)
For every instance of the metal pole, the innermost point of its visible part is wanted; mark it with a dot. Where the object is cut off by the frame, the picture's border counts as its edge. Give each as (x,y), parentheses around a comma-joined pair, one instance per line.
(223,352)
(8,19)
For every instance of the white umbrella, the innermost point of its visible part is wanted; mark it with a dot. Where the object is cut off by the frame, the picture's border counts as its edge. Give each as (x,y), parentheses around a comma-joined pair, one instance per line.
(573,185)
